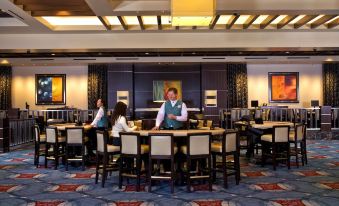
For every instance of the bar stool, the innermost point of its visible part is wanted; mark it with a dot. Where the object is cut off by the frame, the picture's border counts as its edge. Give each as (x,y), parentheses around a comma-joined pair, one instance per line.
(104,150)
(131,147)
(271,142)
(58,144)
(75,138)
(198,148)
(161,147)
(229,146)
(298,136)
(40,139)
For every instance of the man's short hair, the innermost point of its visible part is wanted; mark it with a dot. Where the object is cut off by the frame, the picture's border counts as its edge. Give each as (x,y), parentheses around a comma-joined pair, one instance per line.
(172,89)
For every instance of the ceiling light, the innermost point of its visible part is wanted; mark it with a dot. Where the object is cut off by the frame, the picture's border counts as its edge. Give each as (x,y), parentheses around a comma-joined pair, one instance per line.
(131,20)
(72,20)
(192,12)
(146,53)
(4,61)
(150,20)
(260,19)
(223,19)
(53,54)
(278,19)
(297,19)
(242,19)
(329,59)
(113,20)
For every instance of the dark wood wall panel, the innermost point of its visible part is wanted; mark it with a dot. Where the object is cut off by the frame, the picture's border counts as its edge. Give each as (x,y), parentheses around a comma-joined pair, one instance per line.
(145,74)
(120,78)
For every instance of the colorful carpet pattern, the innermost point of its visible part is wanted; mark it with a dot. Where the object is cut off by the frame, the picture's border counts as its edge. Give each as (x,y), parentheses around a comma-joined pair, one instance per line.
(316,184)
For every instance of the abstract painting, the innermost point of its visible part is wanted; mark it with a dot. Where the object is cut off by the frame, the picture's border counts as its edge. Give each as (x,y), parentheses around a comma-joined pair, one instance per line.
(283,87)
(50,89)
(160,89)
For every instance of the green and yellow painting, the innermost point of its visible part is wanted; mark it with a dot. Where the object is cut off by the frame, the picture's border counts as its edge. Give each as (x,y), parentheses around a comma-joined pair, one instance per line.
(160,89)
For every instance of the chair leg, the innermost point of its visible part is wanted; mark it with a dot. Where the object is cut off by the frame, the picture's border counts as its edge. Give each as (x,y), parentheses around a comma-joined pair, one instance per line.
(46,155)
(66,154)
(172,175)
(296,153)
(188,176)
(210,178)
(237,168)
(302,154)
(274,153)
(305,151)
(97,169)
(289,156)
(263,154)
(120,172)
(56,156)
(150,166)
(214,167)
(138,172)
(104,171)
(83,158)
(224,170)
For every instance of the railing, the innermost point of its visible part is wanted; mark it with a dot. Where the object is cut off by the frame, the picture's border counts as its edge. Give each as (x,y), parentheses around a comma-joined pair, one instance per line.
(310,116)
(21,131)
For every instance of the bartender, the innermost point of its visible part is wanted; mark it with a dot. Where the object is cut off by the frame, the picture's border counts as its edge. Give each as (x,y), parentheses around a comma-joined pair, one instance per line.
(172,113)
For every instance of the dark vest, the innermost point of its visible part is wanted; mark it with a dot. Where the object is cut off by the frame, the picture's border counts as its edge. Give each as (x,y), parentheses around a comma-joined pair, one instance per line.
(175,110)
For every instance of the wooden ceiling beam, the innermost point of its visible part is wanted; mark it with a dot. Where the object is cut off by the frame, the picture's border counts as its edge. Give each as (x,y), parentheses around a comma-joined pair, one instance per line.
(159,23)
(286,21)
(249,21)
(62,13)
(268,20)
(105,22)
(141,23)
(232,20)
(304,21)
(333,24)
(214,21)
(122,22)
(321,21)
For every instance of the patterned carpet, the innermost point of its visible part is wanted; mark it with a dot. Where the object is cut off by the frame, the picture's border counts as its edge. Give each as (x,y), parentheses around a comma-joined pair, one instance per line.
(315,184)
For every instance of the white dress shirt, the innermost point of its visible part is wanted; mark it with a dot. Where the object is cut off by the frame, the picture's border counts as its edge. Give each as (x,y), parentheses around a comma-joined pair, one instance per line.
(99,115)
(121,126)
(161,113)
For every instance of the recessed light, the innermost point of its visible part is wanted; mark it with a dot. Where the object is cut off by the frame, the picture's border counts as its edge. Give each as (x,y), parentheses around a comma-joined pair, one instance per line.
(146,53)
(329,59)
(53,54)
(287,52)
(193,53)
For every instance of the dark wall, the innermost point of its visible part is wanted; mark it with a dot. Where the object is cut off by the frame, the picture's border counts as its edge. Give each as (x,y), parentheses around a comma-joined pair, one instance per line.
(145,74)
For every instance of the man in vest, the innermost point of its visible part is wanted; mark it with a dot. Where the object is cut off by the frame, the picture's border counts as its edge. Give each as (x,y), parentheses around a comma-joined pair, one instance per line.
(172,113)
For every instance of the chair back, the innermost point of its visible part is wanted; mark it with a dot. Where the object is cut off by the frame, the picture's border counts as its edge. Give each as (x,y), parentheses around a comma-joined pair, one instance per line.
(299,132)
(74,135)
(51,134)
(258,114)
(231,141)
(281,133)
(199,144)
(161,144)
(102,141)
(36,133)
(130,143)
(209,123)
(138,123)
(234,115)
(244,112)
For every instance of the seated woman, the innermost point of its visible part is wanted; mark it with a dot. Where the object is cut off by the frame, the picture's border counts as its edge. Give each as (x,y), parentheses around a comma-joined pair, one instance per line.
(119,122)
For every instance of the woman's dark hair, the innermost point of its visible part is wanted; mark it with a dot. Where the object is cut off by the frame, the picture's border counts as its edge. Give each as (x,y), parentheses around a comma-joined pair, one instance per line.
(102,101)
(119,110)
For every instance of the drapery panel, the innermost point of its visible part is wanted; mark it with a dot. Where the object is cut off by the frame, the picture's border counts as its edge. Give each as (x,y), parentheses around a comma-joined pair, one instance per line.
(5,87)
(237,85)
(331,84)
(97,84)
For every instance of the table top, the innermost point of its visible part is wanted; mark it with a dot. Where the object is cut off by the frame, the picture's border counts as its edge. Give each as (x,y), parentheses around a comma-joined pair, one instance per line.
(62,127)
(182,133)
(268,124)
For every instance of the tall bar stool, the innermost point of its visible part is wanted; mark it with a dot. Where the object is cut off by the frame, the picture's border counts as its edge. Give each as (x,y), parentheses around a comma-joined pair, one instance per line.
(58,144)
(161,147)
(40,139)
(104,150)
(276,146)
(132,148)
(298,137)
(198,148)
(75,138)
(229,146)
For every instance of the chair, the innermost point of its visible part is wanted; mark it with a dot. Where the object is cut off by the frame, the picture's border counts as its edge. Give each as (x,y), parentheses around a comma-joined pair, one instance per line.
(229,146)
(295,137)
(131,147)
(75,138)
(198,148)
(52,139)
(209,123)
(40,139)
(104,150)
(161,147)
(276,146)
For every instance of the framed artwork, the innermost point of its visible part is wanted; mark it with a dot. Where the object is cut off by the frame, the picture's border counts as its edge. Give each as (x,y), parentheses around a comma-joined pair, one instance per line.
(50,89)
(160,89)
(283,87)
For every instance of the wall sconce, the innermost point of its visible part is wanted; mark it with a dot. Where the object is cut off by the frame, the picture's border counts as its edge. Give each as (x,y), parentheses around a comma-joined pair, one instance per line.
(123,96)
(211,98)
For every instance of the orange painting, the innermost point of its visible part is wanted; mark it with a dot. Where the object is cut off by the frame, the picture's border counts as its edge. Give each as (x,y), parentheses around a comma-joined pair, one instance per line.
(284,87)
(50,89)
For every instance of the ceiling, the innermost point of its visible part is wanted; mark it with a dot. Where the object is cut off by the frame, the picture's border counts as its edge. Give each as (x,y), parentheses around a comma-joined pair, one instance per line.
(142,28)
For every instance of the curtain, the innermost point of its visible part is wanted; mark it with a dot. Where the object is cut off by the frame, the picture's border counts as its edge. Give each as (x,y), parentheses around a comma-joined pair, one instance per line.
(97,84)
(237,85)
(5,87)
(331,84)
